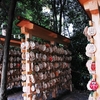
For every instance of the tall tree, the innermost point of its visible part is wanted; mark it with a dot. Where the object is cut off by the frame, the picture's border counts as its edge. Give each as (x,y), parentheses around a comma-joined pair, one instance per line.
(3,94)
(62,4)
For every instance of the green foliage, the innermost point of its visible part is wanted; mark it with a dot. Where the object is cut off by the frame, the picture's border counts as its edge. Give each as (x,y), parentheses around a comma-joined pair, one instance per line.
(79,19)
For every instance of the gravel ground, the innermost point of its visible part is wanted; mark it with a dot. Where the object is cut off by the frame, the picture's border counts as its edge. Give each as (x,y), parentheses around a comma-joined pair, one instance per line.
(75,95)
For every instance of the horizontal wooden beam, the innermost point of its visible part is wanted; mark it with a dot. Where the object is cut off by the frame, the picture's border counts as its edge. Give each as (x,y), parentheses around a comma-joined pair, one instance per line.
(41,32)
(25,23)
(83,1)
(85,7)
(13,42)
(90,6)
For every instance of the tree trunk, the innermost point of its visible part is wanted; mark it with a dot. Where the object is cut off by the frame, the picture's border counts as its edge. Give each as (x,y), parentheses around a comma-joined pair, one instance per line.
(62,4)
(3,91)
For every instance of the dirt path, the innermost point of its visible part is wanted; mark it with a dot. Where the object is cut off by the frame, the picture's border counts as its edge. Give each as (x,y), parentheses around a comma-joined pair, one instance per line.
(75,95)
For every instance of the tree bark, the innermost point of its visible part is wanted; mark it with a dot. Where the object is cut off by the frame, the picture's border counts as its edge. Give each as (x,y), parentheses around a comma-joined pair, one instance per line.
(3,91)
(54,3)
(62,4)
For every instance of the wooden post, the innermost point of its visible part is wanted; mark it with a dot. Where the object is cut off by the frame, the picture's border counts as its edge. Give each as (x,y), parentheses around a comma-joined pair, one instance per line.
(29,92)
(92,6)
(96,20)
(27,36)
(3,94)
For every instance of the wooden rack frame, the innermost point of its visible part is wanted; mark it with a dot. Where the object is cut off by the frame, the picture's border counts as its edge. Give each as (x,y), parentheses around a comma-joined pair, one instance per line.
(41,32)
(14,42)
(90,10)
(31,29)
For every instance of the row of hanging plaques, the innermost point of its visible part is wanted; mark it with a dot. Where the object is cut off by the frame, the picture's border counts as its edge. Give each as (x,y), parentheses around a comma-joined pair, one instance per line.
(92,85)
(14,67)
(46,70)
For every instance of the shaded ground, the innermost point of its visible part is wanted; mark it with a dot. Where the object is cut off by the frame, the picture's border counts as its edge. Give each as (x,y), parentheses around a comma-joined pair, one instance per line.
(15,96)
(75,95)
